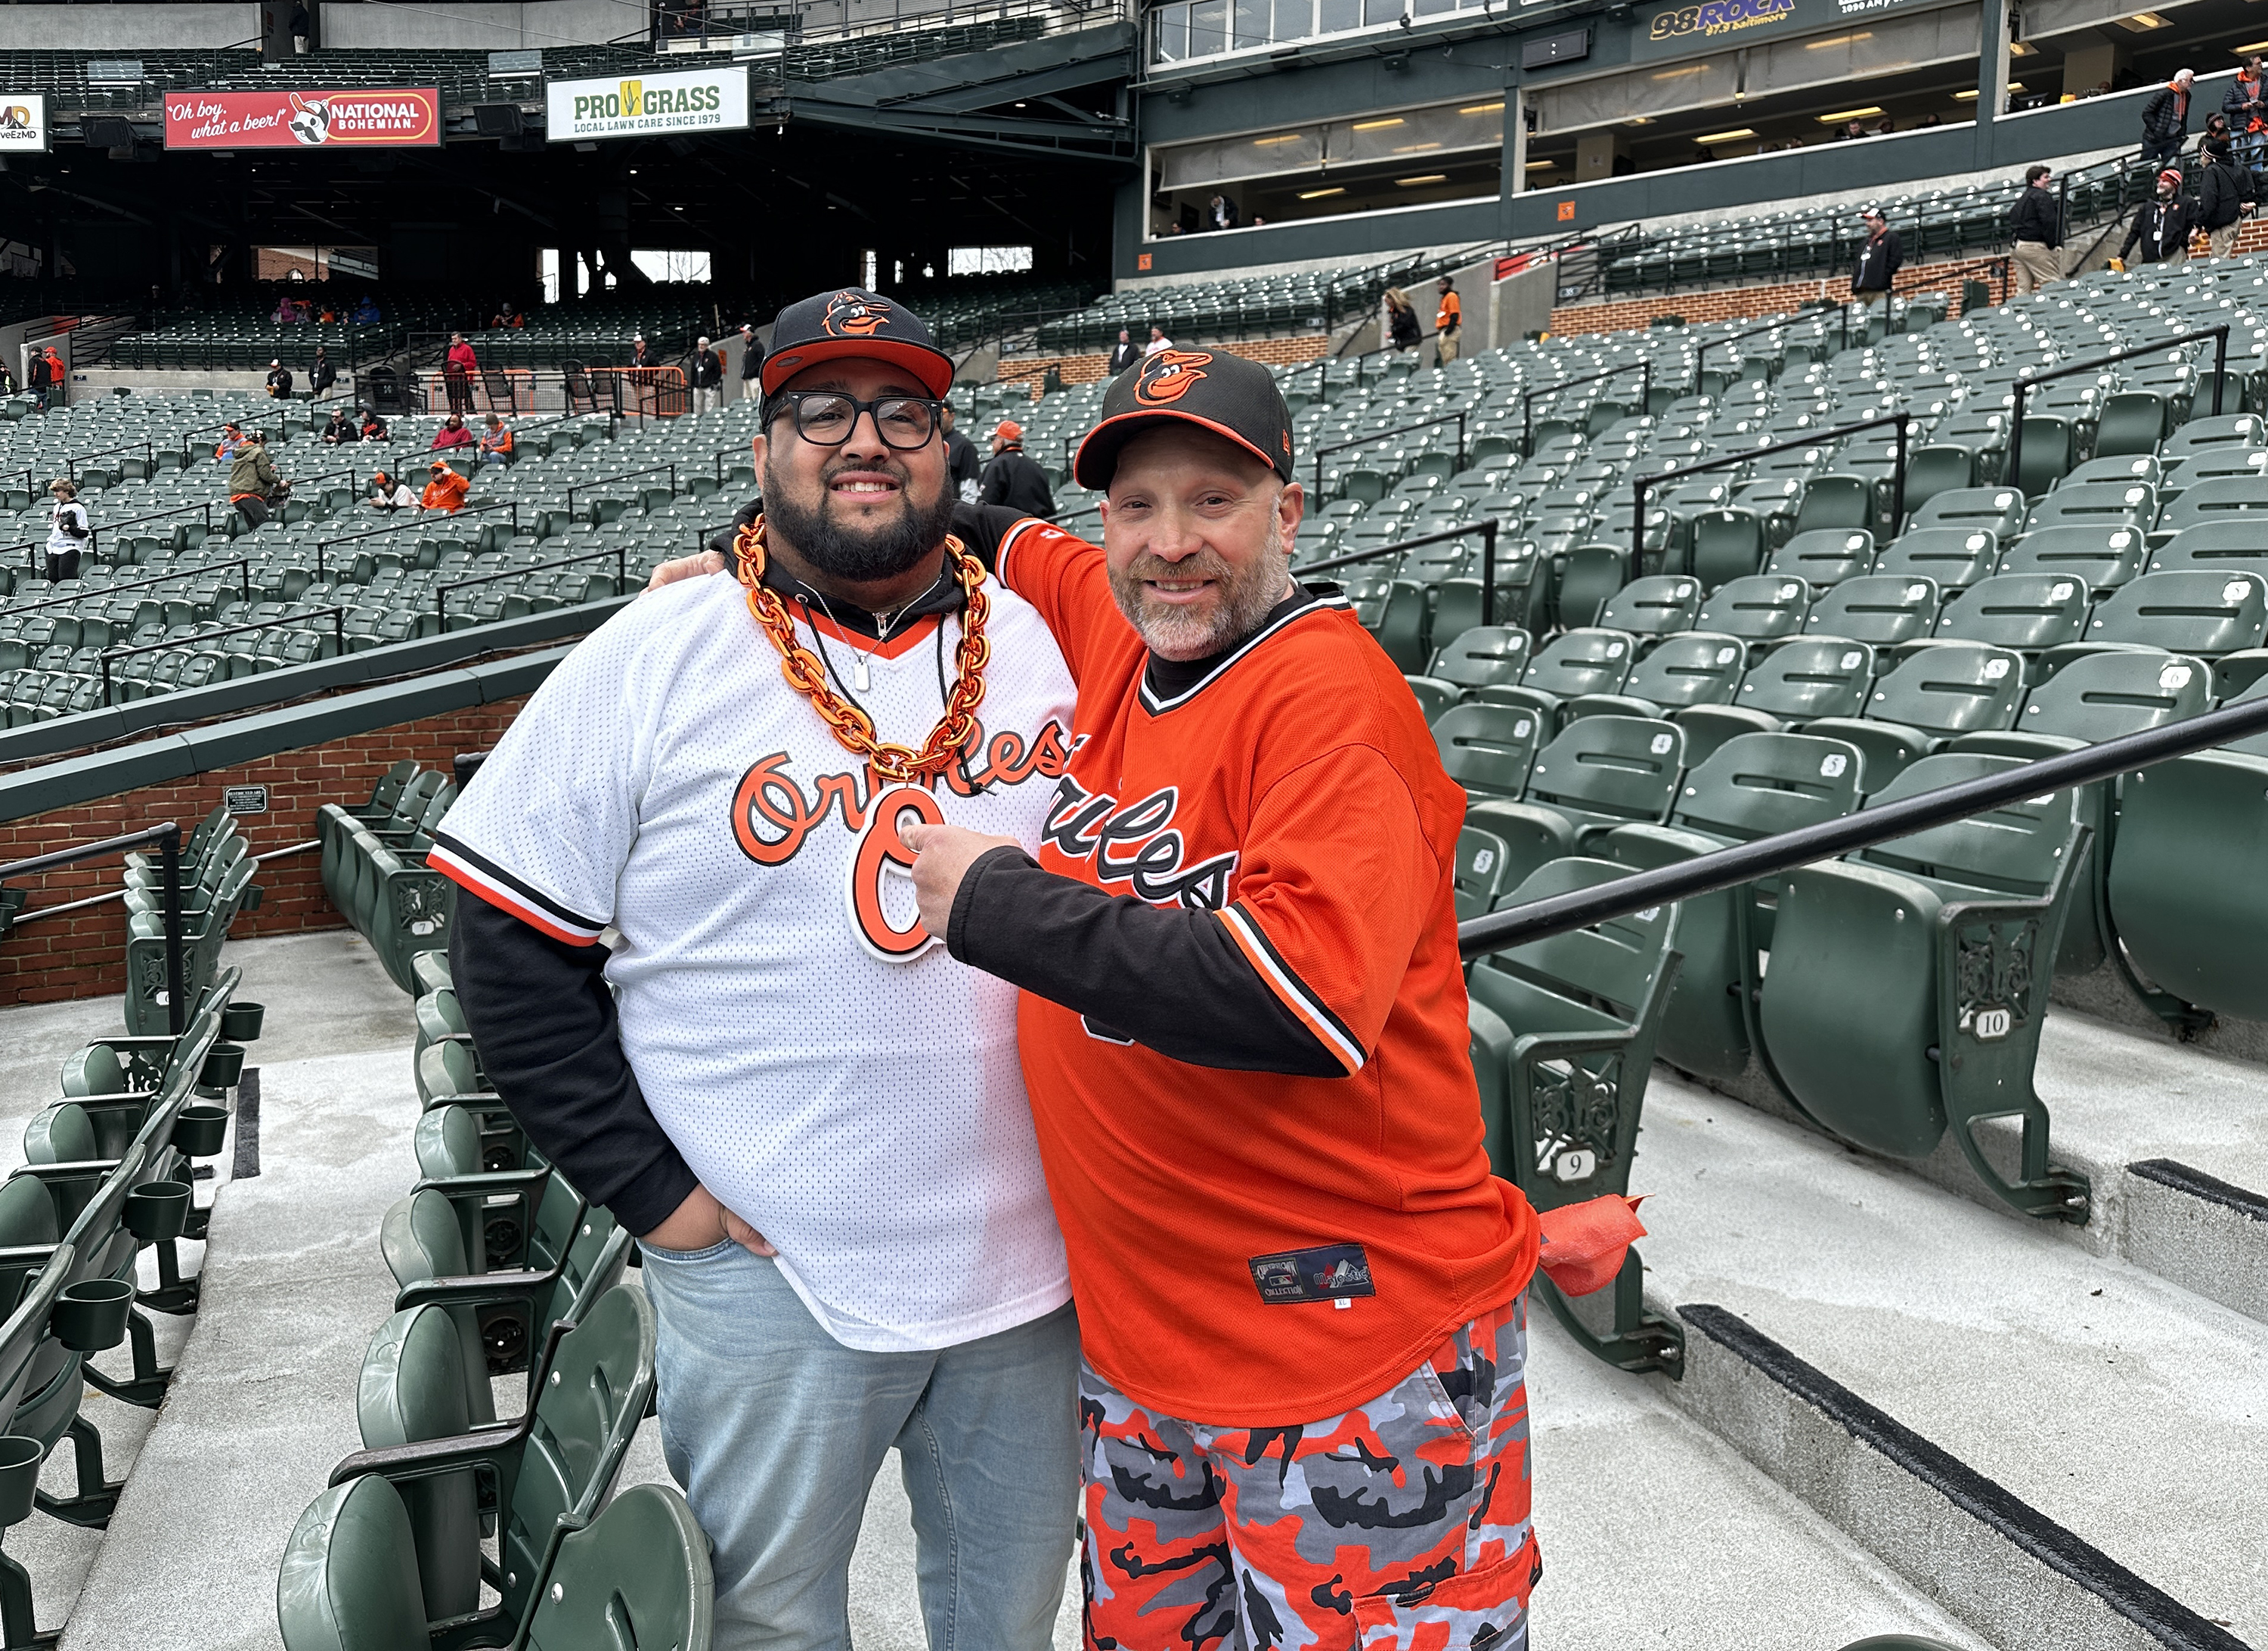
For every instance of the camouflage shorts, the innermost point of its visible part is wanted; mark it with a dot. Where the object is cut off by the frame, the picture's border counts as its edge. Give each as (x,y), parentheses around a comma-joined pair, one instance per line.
(1402,1525)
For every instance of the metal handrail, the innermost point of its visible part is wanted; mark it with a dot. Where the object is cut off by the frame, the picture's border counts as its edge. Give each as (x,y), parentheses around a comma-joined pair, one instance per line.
(1485,526)
(168,836)
(1645,484)
(94,535)
(97,594)
(1458,419)
(414,523)
(627,475)
(2218,335)
(621,554)
(1701,350)
(1768,857)
(149,454)
(338,639)
(1528,397)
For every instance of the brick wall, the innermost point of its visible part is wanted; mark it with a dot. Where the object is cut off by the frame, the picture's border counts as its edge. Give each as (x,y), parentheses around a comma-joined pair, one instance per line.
(83,954)
(1276,352)
(1724,304)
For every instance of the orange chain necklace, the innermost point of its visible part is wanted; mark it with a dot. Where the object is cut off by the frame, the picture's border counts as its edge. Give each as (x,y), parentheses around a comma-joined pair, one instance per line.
(852,728)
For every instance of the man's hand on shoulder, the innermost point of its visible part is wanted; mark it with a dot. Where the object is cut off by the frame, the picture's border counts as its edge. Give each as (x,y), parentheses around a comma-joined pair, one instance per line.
(942,857)
(685,568)
(699,1222)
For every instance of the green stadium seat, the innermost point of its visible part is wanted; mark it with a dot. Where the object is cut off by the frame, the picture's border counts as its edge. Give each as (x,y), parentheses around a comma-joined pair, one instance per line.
(2028,613)
(1823,557)
(2101,558)
(1998,511)
(1760,609)
(1572,663)
(1693,667)
(1796,682)
(1654,607)
(2210,546)
(2220,617)
(1952,557)
(1488,749)
(1940,692)
(1482,657)
(1599,772)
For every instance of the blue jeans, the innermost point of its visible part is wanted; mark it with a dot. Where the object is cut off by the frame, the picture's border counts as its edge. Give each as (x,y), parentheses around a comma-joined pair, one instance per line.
(776,1430)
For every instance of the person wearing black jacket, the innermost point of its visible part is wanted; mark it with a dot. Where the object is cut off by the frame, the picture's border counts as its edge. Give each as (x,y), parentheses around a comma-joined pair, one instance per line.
(36,378)
(752,364)
(1013,479)
(321,373)
(2036,226)
(279,381)
(1879,260)
(962,466)
(1124,353)
(2225,196)
(2161,229)
(2166,119)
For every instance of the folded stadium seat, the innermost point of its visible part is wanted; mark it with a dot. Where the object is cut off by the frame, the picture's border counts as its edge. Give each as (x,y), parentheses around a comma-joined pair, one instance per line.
(1405,624)
(1753,787)
(2101,558)
(2212,546)
(1481,657)
(1489,750)
(1943,691)
(1587,576)
(555,1472)
(2132,421)
(1596,772)
(1587,1006)
(2220,617)
(1724,545)
(1574,662)
(2025,613)
(1940,934)
(1799,681)
(1955,558)
(1760,609)
(1834,500)
(1692,667)
(1653,607)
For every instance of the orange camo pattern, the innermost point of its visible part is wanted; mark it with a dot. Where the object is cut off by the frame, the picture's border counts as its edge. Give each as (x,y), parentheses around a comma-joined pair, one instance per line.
(1402,1525)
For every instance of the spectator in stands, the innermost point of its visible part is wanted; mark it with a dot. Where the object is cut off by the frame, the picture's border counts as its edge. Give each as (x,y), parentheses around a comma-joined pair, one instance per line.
(7,380)
(232,438)
(1401,330)
(320,374)
(496,442)
(453,433)
(752,364)
(639,355)
(1221,213)
(447,491)
(365,311)
(1124,353)
(2036,226)
(1851,129)
(285,314)
(1449,323)
(963,467)
(2246,105)
(1013,479)
(302,27)
(279,381)
(2161,229)
(37,375)
(2166,119)
(457,370)
(252,481)
(373,427)
(508,316)
(388,494)
(68,530)
(340,430)
(1158,343)
(2224,195)
(707,378)
(1879,259)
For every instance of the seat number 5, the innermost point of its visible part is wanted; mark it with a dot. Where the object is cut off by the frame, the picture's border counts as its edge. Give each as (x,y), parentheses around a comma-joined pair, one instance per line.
(882,857)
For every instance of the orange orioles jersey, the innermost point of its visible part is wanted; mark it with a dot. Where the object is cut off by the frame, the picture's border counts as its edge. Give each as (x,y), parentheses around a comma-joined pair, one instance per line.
(1243,1020)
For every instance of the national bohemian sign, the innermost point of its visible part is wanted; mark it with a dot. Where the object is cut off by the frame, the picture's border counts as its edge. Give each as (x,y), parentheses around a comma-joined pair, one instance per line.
(283,119)
(695,101)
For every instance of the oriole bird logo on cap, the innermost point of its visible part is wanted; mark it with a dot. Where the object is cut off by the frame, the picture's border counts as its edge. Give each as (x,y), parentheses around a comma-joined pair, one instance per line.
(1166,376)
(855,315)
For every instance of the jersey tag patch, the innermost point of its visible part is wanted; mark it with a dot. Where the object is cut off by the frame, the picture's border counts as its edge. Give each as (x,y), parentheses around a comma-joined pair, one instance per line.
(1326,1272)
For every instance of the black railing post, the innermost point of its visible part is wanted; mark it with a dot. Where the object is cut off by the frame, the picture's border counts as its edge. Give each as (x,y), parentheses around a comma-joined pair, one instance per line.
(2013,477)
(2220,368)
(105,680)
(169,850)
(1898,478)
(1488,571)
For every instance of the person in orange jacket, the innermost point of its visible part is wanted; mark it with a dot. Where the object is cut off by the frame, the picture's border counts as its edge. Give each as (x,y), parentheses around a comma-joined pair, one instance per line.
(447,491)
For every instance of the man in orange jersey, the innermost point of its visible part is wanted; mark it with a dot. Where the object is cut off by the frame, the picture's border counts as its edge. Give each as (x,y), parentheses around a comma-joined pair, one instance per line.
(1300,1289)
(447,491)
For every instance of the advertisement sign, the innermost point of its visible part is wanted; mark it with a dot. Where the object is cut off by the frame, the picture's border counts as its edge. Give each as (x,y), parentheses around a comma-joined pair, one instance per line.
(408,117)
(1681,31)
(23,123)
(695,101)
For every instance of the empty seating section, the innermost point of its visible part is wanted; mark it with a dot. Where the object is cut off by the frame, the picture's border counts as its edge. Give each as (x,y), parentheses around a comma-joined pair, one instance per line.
(502,1270)
(325,570)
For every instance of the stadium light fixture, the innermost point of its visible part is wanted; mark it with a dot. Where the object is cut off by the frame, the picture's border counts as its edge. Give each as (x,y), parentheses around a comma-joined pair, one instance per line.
(1541,166)
(1431,177)
(2247,48)
(1965,96)
(1413,148)
(1732,136)
(1317,194)
(1680,74)
(2143,22)
(1380,126)
(1483,108)
(1841,115)
(1270,142)
(1838,39)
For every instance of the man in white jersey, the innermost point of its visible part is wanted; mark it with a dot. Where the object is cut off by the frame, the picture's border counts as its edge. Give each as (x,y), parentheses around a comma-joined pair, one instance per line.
(812,1116)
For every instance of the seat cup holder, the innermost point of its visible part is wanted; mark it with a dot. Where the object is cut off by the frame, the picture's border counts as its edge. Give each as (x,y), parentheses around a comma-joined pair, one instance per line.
(19,1476)
(223,1065)
(199,1131)
(240,1022)
(91,1315)
(157,1210)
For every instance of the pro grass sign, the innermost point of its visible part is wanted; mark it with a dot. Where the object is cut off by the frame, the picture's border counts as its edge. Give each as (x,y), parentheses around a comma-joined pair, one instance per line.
(695,101)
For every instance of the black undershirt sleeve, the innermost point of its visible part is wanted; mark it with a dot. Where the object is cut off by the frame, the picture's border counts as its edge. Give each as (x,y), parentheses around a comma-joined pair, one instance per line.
(544,1019)
(1169,979)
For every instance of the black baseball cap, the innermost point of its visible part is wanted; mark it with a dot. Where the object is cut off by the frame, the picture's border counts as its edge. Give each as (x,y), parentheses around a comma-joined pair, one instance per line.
(1233,398)
(851,321)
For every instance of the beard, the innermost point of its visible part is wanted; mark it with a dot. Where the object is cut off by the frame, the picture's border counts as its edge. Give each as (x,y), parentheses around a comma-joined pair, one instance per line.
(1241,601)
(858,556)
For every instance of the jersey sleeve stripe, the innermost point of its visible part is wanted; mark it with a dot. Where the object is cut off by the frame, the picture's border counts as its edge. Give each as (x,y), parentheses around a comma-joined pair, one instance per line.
(1007,543)
(478,875)
(1269,963)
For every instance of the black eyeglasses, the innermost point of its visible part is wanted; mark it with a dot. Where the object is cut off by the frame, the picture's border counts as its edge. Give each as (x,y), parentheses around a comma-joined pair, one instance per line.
(826,417)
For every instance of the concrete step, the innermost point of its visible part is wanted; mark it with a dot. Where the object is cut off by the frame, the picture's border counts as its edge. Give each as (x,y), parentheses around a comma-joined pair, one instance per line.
(2113,1421)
